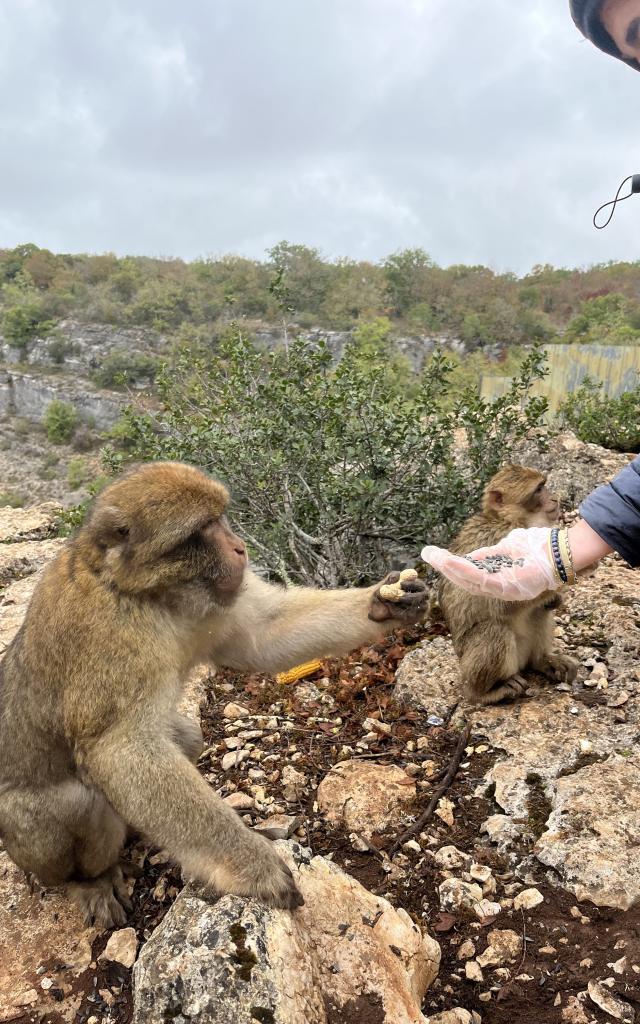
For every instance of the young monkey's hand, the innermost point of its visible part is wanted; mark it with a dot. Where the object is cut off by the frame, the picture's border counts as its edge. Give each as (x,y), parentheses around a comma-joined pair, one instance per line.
(401,595)
(529,575)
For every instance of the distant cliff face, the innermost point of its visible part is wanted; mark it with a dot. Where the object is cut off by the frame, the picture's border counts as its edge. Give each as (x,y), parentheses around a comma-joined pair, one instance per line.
(79,348)
(29,395)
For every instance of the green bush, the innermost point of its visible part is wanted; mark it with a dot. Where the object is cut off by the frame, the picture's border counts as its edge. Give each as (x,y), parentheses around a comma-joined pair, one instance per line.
(610,422)
(78,473)
(334,470)
(60,421)
(121,368)
(22,323)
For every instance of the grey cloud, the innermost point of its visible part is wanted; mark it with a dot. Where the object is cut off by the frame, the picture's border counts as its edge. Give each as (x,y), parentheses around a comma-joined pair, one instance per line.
(485,133)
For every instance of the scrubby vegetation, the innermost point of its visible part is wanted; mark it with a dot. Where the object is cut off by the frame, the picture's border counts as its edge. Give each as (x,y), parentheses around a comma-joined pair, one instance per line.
(611,422)
(60,421)
(473,303)
(333,468)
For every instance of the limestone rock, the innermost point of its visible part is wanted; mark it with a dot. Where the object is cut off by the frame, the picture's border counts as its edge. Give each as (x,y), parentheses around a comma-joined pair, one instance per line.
(37,928)
(21,524)
(574,1012)
(195,693)
(504,947)
(240,801)
(364,797)
(279,826)
(450,858)
(455,1016)
(473,972)
(594,832)
(605,999)
(528,899)
(234,711)
(121,947)
(429,677)
(14,601)
(345,949)
(233,759)
(575,467)
(294,784)
(458,895)
(25,557)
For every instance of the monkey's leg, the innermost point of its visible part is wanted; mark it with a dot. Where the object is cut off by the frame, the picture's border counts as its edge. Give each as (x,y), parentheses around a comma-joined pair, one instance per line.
(67,833)
(490,662)
(188,735)
(155,788)
(560,667)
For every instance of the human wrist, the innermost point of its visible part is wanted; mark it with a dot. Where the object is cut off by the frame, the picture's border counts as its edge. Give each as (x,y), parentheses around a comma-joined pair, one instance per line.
(587,546)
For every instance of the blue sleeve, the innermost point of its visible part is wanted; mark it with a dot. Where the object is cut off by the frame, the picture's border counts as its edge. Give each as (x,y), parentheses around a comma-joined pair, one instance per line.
(613,511)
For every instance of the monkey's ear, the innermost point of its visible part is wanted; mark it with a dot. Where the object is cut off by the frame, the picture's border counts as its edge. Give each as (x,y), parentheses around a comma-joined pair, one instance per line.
(108,526)
(496,498)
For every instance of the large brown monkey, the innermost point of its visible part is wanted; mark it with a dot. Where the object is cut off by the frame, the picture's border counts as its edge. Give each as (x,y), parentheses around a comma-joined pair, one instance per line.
(90,739)
(496,640)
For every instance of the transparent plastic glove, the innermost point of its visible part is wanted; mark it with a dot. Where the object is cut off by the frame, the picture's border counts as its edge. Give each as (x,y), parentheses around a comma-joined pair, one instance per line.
(512,583)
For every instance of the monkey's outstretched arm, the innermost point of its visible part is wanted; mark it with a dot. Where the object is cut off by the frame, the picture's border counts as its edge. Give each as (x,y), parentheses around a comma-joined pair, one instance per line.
(155,789)
(269,629)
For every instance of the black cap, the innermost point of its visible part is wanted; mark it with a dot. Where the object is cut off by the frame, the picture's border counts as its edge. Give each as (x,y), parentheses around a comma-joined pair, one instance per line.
(586,14)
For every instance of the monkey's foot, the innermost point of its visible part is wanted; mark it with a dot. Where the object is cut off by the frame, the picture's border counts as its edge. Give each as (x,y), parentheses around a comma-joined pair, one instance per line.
(264,876)
(560,667)
(508,689)
(104,900)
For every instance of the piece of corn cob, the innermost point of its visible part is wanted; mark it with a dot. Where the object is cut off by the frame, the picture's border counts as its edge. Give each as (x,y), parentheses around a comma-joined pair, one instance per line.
(299,672)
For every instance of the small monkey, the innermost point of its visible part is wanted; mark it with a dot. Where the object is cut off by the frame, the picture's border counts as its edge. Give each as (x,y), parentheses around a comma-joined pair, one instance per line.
(91,743)
(496,640)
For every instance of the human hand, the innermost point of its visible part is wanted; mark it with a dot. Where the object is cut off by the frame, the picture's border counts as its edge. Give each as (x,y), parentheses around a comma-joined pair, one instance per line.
(531,573)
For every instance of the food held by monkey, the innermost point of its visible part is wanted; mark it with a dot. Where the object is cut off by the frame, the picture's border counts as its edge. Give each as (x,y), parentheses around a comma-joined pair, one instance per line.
(396,591)
(497,640)
(91,742)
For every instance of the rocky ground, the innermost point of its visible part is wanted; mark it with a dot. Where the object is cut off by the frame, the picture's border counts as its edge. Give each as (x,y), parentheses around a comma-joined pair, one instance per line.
(33,470)
(458,864)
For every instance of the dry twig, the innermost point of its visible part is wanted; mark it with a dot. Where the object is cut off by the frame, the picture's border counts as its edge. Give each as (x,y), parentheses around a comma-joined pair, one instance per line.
(439,793)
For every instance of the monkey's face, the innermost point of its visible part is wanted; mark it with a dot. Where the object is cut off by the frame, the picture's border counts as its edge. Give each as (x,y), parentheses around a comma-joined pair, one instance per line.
(544,506)
(162,526)
(518,496)
(225,555)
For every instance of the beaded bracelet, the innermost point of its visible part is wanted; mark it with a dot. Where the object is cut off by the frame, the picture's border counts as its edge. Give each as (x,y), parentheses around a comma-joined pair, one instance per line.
(567,560)
(560,556)
(556,557)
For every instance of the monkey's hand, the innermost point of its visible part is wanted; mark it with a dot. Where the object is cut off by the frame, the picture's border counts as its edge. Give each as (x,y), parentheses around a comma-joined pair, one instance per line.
(402,596)
(531,573)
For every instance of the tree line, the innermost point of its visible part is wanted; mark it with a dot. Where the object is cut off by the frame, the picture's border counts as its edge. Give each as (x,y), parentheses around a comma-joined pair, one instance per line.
(189,300)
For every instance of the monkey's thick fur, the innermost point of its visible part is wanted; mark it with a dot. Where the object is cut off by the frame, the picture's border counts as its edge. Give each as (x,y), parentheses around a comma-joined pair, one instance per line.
(496,640)
(91,743)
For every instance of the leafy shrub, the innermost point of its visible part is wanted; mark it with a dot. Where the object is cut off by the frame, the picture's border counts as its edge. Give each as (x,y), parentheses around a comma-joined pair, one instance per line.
(60,421)
(78,473)
(120,368)
(58,348)
(22,323)
(333,469)
(605,320)
(610,422)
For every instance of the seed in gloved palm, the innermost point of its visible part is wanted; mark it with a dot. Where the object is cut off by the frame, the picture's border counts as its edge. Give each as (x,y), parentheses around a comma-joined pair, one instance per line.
(494,563)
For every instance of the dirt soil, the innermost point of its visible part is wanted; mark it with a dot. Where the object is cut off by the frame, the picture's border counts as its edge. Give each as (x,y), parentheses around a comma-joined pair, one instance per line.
(564,945)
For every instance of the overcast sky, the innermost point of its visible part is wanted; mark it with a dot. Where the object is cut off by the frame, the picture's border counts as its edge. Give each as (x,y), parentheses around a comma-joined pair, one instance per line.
(483,132)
